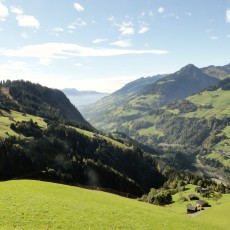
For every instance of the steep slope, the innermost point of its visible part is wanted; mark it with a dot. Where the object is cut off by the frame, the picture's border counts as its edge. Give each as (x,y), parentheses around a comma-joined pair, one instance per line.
(37,100)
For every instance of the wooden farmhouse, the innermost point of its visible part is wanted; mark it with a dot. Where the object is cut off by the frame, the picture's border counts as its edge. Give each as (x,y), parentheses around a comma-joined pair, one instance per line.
(202,204)
(191,209)
(193,197)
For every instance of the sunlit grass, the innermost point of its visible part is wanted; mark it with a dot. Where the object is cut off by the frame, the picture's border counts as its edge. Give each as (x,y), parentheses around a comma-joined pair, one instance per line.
(6,118)
(219,100)
(29,204)
(93,135)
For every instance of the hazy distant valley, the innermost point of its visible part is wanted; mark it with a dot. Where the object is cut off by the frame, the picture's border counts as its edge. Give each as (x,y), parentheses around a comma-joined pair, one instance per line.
(82,98)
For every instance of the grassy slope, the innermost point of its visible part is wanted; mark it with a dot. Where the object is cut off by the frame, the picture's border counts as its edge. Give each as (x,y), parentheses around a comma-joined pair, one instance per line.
(218,99)
(90,134)
(219,107)
(220,102)
(7,118)
(41,205)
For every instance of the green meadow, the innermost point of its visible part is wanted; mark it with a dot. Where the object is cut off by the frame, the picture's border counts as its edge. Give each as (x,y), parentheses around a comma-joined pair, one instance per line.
(27,204)
(218,100)
(6,118)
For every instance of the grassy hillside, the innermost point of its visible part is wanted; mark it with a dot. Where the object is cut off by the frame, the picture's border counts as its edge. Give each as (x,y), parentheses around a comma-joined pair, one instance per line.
(40,205)
(6,118)
(211,104)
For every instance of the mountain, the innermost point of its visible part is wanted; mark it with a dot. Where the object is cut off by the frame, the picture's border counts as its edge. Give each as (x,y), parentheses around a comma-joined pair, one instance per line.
(135,87)
(81,98)
(187,81)
(137,99)
(101,110)
(220,72)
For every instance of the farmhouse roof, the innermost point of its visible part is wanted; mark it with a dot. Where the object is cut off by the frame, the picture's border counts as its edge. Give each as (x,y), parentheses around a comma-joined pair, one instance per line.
(193,197)
(202,202)
(191,208)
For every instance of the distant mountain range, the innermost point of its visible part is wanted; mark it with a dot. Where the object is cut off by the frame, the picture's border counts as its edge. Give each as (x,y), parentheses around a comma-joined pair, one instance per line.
(81,98)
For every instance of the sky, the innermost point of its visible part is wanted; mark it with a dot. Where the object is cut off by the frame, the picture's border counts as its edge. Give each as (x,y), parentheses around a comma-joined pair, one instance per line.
(102,45)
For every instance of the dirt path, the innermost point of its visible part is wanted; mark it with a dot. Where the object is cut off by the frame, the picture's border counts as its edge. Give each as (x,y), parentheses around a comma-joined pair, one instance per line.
(195,214)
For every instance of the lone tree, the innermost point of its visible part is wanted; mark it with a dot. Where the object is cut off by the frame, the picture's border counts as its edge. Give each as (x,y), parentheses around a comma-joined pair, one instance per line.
(217,196)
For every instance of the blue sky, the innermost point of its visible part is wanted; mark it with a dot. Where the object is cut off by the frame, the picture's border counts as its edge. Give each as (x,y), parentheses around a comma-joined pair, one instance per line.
(102,45)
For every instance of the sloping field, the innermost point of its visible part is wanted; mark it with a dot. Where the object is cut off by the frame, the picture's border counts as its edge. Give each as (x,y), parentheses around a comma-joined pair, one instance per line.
(27,204)
(218,102)
(6,118)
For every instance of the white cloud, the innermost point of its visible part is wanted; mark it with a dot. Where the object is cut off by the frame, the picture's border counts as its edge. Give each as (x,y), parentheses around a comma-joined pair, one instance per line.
(45,61)
(78,7)
(111,18)
(151,13)
(214,37)
(27,21)
(16,10)
(58,29)
(78,64)
(161,10)
(228,36)
(143,30)
(126,28)
(78,23)
(99,40)
(24,35)
(172,15)
(3,12)
(122,43)
(208,30)
(143,14)
(67,50)
(6,69)
(228,16)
